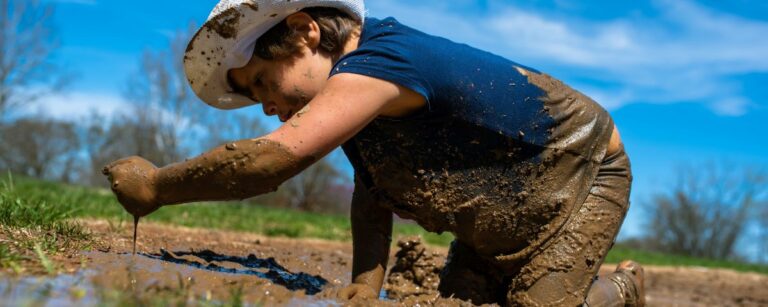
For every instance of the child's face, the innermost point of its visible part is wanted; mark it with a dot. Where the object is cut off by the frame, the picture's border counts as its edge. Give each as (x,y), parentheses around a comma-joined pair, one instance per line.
(284,86)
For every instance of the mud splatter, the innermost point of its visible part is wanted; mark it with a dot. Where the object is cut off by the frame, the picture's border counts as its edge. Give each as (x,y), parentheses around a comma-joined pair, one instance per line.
(225,24)
(253,6)
(236,170)
(416,270)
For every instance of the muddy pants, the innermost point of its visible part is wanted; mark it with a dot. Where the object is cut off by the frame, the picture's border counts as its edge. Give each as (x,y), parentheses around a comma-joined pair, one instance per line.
(562,273)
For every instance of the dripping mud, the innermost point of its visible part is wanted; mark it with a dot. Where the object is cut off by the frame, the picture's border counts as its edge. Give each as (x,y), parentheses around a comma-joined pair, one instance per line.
(206,267)
(135,228)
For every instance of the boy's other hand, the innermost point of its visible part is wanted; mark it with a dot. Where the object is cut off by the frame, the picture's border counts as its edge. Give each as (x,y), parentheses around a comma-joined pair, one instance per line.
(133,180)
(357,291)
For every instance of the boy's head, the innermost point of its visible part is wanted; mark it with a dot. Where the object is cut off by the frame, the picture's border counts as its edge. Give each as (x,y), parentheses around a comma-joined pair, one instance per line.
(243,33)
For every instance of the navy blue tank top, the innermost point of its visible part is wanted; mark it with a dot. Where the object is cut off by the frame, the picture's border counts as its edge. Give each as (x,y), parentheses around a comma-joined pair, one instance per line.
(499,139)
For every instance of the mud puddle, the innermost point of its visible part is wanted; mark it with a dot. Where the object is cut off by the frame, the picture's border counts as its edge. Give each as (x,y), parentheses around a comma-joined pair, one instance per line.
(264,268)
(182,276)
(184,266)
(62,290)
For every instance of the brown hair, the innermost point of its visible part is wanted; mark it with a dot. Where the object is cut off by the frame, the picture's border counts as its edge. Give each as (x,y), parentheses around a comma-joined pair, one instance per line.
(280,42)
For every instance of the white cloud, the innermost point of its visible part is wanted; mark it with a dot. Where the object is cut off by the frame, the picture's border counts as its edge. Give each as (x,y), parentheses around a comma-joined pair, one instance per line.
(77,106)
(730,106)
(687,53)
(74,106)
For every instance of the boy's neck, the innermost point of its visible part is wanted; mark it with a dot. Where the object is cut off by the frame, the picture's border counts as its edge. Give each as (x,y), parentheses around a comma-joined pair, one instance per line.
(352,42)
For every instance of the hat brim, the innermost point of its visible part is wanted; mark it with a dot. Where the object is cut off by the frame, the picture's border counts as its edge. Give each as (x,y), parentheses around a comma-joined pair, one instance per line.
(226,41)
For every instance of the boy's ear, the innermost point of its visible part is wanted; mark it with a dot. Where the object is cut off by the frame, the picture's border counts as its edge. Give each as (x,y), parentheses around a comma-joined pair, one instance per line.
(307,28)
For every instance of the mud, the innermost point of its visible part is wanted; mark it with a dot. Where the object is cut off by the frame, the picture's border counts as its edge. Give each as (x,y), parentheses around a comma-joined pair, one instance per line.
(88,277)
(233,171)
(135,229)
(238,170)
(416,270)
(251,265)
(226,23)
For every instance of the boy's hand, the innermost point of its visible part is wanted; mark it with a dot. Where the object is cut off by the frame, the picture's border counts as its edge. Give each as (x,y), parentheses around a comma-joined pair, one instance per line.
(133,180)
(357,291)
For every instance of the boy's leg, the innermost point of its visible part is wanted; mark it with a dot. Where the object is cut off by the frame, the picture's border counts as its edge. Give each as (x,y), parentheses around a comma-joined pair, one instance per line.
(467,276)
(620,288)
(562,273)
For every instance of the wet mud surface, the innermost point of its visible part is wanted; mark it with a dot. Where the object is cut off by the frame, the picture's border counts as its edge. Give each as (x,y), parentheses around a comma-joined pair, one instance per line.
(416,270)
(200,265)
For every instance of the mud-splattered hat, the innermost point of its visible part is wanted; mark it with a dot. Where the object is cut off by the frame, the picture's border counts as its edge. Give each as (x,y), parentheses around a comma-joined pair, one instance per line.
(227,40)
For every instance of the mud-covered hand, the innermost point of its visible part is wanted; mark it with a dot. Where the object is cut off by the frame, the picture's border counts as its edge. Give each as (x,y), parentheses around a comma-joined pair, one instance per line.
(133,180)
(357,291)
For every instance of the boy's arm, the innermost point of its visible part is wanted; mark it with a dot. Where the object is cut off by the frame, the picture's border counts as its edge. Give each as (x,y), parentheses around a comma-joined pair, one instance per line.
(236,170)
(371,238)
(246,168)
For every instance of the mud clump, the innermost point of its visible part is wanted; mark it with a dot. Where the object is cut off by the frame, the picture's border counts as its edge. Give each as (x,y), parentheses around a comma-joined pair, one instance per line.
(416,271)
(226,23)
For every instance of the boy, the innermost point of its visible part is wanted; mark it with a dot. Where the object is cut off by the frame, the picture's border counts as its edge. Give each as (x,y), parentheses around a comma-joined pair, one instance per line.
(529,175)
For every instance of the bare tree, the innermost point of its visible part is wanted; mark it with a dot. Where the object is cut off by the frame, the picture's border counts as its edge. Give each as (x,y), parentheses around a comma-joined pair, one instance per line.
(166,116)
(762,237)
(27,43)
(40,148)
(103,140)
(227,126)
(311,189)
(708,210)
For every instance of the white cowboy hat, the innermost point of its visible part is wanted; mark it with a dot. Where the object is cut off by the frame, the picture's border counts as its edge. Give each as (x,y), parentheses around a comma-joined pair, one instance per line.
(227,40)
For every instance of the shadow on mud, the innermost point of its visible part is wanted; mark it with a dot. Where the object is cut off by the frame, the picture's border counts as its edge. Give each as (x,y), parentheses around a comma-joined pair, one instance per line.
(251,265)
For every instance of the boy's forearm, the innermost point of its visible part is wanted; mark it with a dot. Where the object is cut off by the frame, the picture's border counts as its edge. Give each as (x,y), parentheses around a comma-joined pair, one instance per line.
(369,258)
(371,238)
(236,170)
(370,255)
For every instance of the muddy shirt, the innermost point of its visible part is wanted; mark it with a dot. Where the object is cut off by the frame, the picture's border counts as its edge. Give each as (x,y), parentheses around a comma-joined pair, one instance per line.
(501,155)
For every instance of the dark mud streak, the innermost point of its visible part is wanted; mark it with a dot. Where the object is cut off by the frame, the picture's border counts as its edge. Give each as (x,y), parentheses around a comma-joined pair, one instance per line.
(277,273)
(135,227)
(226,23)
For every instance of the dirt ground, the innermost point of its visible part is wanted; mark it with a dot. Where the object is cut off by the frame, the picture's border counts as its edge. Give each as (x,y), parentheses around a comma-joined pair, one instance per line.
(209,265)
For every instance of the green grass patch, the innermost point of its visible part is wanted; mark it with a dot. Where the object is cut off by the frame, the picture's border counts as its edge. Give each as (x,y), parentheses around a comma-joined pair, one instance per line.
(619,253)
(31,228)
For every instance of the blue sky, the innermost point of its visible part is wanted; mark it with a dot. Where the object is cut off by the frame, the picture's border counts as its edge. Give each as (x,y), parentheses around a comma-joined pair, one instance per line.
(684,80)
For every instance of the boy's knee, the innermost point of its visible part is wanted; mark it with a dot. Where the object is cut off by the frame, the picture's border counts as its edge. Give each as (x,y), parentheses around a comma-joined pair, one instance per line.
(468,285)
(468,277)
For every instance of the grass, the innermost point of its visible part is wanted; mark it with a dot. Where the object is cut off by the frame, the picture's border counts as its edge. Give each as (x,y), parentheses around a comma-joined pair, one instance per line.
(31,228)
(47,207)
(619,253)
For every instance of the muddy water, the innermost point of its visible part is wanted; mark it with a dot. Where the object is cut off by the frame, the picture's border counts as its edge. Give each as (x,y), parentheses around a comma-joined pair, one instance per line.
(264,268)
(189,277)
(62,290)
(204,275)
